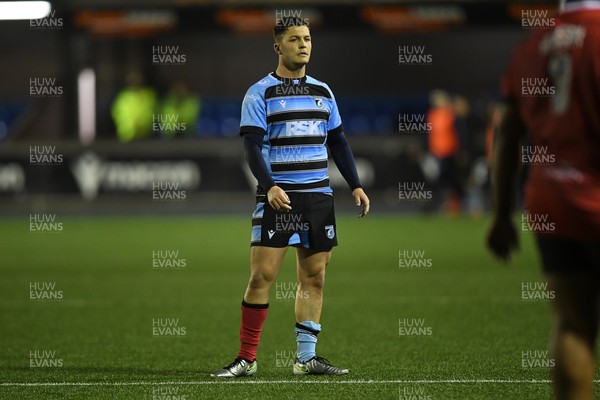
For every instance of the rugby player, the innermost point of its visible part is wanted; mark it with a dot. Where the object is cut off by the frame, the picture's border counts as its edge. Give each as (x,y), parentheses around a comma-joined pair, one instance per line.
(566,121)
(289,119)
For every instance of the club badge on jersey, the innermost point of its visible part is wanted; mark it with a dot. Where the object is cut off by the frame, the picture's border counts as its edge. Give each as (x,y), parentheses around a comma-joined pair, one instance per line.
(330,230)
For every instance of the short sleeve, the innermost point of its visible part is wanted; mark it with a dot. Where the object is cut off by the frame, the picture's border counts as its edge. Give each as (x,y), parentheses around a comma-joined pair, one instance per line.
(254,114)
(334,125)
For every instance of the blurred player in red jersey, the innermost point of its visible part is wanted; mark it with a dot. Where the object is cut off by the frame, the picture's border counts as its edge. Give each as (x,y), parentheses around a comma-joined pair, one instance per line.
(552,90)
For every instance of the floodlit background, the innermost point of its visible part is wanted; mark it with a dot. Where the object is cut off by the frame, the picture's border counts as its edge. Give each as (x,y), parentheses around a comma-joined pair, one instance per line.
(100,100)
(125,201)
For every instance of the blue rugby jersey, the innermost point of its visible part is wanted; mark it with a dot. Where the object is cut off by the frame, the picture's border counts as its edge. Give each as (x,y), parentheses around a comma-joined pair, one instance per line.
(294,116)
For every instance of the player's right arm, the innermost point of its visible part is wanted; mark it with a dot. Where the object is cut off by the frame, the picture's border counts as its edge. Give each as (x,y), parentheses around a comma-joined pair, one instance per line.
(276,196)
(253,127)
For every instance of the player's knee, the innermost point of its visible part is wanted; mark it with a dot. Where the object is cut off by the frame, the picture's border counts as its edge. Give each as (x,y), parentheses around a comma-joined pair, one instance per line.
(316,280)
(319,281)
(260,279)
(583,328)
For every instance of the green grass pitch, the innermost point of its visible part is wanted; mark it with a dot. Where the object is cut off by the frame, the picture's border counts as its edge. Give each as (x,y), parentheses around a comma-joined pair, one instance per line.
(100,340)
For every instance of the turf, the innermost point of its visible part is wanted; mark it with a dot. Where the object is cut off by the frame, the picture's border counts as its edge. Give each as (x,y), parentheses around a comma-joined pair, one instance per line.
(102,330)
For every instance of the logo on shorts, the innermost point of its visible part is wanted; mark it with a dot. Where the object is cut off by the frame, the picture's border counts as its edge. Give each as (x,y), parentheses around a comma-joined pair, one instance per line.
(271,233)
(319,102)
(282,102)
(330,230)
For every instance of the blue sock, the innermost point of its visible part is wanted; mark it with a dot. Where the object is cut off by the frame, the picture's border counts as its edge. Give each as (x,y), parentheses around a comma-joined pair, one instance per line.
(306,338)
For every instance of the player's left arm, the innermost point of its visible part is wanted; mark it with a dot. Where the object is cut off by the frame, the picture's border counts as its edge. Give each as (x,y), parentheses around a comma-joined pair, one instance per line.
(344,159)
(502,237)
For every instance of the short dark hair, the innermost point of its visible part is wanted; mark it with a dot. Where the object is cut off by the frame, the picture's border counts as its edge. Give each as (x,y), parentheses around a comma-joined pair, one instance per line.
(283,24)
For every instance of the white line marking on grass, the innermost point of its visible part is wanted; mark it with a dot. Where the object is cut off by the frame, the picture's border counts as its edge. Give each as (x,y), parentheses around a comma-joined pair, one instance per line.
(284,382)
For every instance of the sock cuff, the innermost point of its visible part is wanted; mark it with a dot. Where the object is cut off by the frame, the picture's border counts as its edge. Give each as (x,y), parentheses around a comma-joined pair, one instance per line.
(308,326)
(257,306)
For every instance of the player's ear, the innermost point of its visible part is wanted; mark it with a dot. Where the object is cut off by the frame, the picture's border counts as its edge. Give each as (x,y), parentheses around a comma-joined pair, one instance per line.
(276,48)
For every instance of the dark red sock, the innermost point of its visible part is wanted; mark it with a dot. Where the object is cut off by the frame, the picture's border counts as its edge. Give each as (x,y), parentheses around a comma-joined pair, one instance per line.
(253,316)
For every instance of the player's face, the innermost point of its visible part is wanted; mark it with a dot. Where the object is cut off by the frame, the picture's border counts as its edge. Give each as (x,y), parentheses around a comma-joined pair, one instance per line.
(295,47)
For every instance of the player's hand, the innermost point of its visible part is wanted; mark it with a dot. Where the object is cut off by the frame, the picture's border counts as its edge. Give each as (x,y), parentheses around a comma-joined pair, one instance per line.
(502,238)
(278,199)
(361,199)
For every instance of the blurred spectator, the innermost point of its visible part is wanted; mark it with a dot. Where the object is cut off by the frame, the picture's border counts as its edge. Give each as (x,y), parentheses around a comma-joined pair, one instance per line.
(183,107)
(133,109)
(462,111)
(493,119)
(444,146)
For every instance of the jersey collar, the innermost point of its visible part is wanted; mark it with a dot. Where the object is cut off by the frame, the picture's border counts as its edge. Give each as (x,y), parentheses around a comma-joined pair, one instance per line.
(301,80)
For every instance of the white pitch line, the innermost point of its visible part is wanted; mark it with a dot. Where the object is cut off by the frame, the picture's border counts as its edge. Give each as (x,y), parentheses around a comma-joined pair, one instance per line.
(279,382)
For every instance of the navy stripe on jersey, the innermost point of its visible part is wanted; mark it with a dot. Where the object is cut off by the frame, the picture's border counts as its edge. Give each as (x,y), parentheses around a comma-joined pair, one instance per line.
(286,91)
(298,187)
(252,129)
(297,141)
(296,115)
(298,166)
